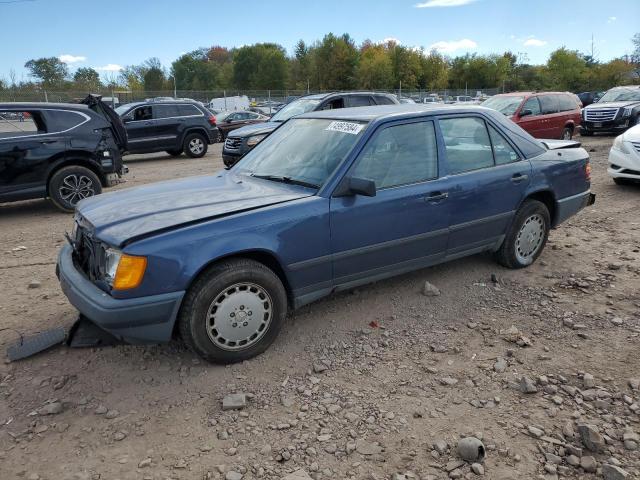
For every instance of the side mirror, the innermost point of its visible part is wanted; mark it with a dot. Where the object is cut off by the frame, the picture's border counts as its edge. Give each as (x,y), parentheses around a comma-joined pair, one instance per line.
(526,113)
(357,186)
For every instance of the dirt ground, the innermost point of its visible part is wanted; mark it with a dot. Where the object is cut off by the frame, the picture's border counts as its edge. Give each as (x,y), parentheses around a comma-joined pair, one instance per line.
(376,383)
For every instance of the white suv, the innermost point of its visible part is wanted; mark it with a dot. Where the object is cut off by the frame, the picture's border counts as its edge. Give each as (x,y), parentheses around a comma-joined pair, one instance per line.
(624,157)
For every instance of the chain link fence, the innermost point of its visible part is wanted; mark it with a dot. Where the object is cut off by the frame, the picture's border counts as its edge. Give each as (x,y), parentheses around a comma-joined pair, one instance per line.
(121,96)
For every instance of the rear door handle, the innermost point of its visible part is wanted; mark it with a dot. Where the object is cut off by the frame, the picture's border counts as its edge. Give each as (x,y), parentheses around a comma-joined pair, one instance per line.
(436,197)
(519,177)
(48,141)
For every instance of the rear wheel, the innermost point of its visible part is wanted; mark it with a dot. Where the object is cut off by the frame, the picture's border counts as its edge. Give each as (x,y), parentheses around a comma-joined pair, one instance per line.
(526,236)
(195,145)
(233,312)
(567,133)
(71,184)
(175,153)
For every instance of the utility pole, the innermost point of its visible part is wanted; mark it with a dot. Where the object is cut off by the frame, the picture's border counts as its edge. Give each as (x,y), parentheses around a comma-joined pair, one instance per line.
(175,94)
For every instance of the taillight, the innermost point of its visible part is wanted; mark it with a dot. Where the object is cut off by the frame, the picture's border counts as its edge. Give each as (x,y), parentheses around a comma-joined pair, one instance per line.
(587,171)
(212,120)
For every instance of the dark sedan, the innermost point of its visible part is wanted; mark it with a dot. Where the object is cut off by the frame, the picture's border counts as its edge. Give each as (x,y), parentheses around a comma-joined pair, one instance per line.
(228,121)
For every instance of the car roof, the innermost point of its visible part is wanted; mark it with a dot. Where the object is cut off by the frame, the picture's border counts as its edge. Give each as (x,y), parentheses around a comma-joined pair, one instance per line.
(320,96)
(368,114)
(43,105)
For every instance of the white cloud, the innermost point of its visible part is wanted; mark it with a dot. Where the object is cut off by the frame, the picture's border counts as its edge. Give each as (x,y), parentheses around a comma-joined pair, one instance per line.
(611,19)
(534,42)
(111,67)
(453,45)
(66,58)
(443,3)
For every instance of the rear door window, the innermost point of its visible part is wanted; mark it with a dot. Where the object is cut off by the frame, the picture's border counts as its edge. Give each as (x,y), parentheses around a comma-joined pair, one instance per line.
(359,101)
(467,144)
(548,104)
(532,105)
(188,110)
(165,111)
(17,123)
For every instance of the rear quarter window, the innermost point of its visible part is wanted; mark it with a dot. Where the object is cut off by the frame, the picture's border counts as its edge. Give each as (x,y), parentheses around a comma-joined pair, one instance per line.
(14,123)
(383,100)
(567,103)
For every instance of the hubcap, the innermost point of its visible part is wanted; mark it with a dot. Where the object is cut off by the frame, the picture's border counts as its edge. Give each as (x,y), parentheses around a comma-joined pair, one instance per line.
(566,135)
(239,316)
(76,187)
(529,239)
(196,146)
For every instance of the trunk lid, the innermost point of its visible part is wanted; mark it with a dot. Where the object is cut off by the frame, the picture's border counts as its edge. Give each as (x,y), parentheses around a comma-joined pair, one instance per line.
(95,103)
(558,144)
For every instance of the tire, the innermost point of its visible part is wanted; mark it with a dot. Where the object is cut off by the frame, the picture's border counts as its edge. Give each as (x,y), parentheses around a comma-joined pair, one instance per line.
(220,137)
(567,133)
(71,184)
(623,181)
(175,153)
(195,145)
(229,293)
(526,237)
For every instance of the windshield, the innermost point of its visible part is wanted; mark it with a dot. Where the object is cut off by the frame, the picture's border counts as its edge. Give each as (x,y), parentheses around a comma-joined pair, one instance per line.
(621,95)
(222,116)
(304,151)
(506,105)
(294,108)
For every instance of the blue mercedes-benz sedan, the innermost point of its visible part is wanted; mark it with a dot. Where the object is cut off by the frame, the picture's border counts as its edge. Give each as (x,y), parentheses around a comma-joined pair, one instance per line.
(328,201)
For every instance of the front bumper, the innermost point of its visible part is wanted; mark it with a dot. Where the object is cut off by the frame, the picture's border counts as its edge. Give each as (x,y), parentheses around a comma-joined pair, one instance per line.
(134,320)
(618,125)
(230,159)
(569,206)
(624,165)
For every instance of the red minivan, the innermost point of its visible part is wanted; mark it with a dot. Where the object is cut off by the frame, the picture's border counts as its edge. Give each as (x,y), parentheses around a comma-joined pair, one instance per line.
(542,114)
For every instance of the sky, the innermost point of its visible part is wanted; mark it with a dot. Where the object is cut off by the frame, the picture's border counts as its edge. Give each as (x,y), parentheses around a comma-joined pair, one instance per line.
(109,35)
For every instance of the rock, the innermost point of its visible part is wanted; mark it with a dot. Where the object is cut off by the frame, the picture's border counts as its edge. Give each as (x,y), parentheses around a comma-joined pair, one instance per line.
(591,438)
(145,463)
(634,383)
(573,460)
(101,410)
(588,381)
(477,468)
(53,408)
(440,446)
(471,449)
(366,448)
(535,432)
(119,436)
(449,381)
(319,367)
(430,290)
(527,385)
(111,414)
(589,464)
(233,475)
(34,284)
(234,401)
(297,475)
(613,472)
(500,366)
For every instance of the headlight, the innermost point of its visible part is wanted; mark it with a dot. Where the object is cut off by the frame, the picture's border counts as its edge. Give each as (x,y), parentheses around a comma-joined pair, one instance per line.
(627,111)
(618,144)
(122,271)
(256,139)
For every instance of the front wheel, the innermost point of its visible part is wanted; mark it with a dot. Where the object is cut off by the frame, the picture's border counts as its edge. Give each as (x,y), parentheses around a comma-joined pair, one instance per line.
(195,145)
(567,133)
(526,236)
(233,312)
(71,184)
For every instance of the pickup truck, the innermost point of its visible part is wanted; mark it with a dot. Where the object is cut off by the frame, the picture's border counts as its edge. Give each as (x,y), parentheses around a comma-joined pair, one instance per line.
(330,200)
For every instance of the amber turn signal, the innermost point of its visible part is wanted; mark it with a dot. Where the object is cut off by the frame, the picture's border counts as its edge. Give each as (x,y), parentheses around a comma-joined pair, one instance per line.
(130,272)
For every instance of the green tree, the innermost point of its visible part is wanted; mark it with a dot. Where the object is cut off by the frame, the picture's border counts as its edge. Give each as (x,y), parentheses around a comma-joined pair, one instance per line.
(196,71)
(154,78)
(406,64)
(260,66)
(435,71)
(87,78)
(567,69)
(635,56)
(50,71)
(375,70)
(335,61)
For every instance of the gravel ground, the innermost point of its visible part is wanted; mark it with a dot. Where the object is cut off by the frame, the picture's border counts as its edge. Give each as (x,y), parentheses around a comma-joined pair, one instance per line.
(541,365)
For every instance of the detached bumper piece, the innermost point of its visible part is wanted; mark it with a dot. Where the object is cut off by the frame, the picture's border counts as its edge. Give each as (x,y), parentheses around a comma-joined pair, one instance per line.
(82,334)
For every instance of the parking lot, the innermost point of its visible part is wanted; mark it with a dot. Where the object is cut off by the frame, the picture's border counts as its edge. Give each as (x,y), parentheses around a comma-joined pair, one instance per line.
(369,383)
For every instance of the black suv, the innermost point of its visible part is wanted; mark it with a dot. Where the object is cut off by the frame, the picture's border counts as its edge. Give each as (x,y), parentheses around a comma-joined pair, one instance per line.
(63,151)
(174,126)
(240,141)
(617,110)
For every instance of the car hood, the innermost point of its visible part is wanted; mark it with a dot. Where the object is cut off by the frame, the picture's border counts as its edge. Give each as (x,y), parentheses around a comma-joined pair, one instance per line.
(118,218)
(627,103)
(255,129)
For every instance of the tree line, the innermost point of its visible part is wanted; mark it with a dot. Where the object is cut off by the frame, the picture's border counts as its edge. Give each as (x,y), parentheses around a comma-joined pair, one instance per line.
(337,63)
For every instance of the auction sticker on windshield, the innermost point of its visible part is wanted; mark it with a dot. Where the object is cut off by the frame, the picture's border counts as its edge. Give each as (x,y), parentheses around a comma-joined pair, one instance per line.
(345,127)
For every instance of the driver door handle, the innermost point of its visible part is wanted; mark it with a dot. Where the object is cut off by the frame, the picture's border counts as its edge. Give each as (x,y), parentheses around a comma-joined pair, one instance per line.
(436,197)
(519,177)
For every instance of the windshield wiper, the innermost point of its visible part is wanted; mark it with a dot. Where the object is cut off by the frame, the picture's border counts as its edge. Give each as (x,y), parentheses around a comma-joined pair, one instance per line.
(288,180)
